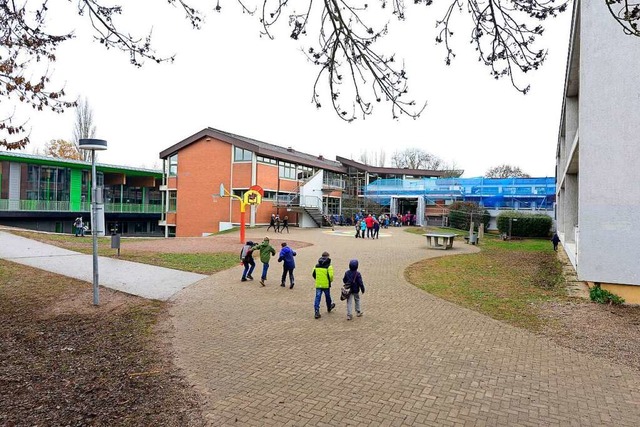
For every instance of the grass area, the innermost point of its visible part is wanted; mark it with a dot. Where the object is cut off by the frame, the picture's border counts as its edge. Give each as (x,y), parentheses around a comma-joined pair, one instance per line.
(203,263)
(66,362)
(507,280)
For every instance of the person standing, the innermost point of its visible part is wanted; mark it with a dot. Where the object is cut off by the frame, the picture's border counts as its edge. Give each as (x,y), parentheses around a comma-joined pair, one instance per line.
(272,222)
(376,229)
(369,222)
(363,227)
(555,240)
(266,252)
(79,227)
(288,264)
(277,219)
(323,273)
(357,229)
(285,224)
(353,279)
(246,256)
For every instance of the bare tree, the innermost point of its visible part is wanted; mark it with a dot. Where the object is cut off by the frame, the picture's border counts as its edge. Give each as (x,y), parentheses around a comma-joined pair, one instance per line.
(83,127)
(416,158)
(506,171)
(352,70)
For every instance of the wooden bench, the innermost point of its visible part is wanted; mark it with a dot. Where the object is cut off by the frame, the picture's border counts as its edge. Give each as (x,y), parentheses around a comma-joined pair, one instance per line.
(440,241)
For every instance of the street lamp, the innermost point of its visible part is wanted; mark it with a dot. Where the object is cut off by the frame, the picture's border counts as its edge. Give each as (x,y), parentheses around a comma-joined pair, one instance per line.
(93,145)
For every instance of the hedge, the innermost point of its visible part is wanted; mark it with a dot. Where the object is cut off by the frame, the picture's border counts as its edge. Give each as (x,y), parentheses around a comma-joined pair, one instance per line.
(524,225)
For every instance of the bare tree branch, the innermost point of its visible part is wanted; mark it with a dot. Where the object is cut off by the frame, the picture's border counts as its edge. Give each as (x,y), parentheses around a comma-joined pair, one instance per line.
(627,14)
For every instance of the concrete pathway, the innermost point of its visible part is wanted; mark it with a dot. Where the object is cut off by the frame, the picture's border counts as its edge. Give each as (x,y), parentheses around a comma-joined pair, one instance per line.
(133,278)
(259,357)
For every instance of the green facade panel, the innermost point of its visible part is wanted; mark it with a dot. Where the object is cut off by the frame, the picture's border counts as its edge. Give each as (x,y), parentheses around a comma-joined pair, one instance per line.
(75,190)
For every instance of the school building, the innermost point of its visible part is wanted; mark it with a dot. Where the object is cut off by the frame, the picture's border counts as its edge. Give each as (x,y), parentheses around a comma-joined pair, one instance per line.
(47,194)
(598,150)
(306,187)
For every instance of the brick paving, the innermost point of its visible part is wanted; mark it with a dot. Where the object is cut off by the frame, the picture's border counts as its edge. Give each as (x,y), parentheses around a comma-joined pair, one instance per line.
(258,356)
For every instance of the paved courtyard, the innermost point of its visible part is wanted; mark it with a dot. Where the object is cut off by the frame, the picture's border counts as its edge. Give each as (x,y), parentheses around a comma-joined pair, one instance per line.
(258,356)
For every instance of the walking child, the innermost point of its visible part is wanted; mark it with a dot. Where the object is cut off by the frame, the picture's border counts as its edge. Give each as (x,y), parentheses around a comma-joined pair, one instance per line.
(246,256)
(353,279)
(285,224)
(288,264)
(323,273)
(272,222)
(266,252)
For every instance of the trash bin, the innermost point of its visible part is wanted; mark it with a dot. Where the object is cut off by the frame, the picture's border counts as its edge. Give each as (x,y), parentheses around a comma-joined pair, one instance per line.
(115,242)
(473,239)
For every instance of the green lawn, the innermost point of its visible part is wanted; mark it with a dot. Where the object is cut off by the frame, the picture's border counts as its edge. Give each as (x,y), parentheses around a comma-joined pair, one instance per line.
(507,280)
(203,263)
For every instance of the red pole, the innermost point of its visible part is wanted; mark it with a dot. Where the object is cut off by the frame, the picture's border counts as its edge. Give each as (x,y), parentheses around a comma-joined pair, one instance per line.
(242,223)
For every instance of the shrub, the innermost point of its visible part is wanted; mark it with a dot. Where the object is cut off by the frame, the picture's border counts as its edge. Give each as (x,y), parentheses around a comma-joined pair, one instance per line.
(460,214)
(524,225)
(603,296)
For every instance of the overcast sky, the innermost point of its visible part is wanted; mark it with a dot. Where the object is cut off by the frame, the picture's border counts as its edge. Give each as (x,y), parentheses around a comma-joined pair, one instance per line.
(227,77)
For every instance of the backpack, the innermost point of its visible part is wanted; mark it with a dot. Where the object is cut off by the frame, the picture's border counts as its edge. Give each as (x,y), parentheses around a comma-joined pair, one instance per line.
(345,292)
(246,252)
(346,289)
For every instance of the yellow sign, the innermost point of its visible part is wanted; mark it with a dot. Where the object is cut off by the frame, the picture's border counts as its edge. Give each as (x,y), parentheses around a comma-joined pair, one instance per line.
(252,197)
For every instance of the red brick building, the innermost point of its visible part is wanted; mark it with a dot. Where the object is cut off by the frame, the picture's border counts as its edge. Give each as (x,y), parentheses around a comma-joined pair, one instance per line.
(299,185)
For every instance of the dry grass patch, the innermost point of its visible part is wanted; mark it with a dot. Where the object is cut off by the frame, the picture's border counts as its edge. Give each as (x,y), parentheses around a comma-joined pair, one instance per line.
(66,362)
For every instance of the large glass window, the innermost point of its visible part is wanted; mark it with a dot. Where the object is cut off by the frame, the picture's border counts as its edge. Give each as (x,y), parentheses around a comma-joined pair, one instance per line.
(287,170)
(173,165)
(241,155)
(173,201)
(155,197)
(48,183)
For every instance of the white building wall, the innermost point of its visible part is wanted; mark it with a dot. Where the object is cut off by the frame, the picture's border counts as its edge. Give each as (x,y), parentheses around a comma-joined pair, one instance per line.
(609,163)
(311,194)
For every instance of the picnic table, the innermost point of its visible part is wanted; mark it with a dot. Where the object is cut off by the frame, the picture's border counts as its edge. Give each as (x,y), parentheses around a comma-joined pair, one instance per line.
(439,240)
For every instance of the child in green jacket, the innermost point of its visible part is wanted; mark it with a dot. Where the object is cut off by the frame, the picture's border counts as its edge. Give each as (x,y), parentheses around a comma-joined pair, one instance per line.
(266,252)
(323,273)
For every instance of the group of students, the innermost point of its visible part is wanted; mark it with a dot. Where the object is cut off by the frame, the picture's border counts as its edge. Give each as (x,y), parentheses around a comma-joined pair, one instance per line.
(368,225)
(278,225)
(322,273)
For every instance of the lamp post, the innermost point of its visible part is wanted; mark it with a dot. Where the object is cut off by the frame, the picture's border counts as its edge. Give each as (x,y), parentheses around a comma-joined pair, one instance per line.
(93,145)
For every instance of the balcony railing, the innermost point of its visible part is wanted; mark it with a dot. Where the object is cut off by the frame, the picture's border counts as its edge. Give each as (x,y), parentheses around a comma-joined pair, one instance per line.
(56,206)
(296,200)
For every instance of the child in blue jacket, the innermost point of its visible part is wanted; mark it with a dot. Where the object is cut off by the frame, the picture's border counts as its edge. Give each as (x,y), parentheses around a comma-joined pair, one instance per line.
(353,279)
(288,264)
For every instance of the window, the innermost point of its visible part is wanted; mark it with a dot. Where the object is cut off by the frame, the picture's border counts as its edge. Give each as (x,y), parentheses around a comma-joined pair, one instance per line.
(173,165)
(266,160)
(287,170)
(241,155)
(304,172)
(270,195)
(239,192)
(173,201)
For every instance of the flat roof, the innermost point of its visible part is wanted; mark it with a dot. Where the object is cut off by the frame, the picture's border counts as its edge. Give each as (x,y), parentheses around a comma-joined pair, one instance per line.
(75,164)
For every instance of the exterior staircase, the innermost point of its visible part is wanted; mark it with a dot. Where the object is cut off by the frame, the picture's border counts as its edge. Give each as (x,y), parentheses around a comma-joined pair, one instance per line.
(315,214)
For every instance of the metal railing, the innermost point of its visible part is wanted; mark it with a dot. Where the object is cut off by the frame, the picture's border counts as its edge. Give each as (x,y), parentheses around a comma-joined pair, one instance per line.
(65,206)
(296,200)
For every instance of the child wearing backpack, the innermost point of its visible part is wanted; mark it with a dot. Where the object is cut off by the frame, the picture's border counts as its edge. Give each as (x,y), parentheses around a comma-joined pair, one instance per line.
(246,256)
(353,280)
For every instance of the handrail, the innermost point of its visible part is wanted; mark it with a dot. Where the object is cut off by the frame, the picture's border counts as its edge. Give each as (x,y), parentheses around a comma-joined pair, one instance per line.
(297,200)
